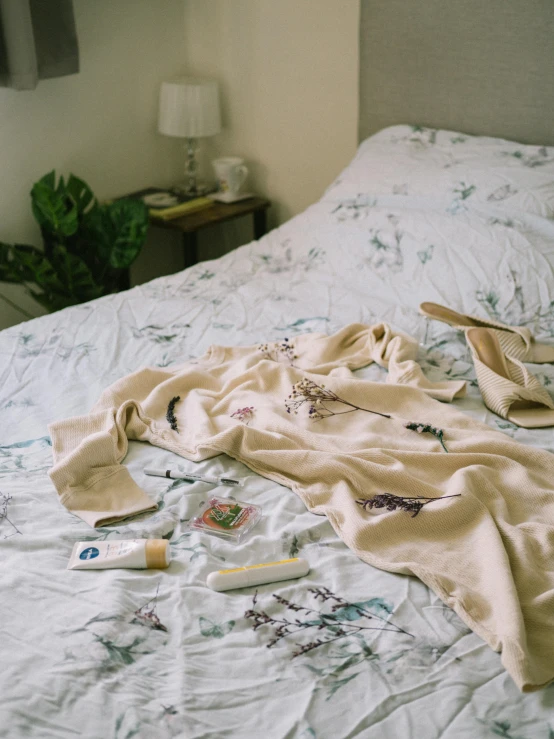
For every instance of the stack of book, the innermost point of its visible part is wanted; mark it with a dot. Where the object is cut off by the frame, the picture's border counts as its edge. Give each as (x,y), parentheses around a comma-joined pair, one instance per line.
(167,204)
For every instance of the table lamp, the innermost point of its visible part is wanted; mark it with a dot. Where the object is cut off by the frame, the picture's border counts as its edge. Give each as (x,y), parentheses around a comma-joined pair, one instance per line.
(189,109)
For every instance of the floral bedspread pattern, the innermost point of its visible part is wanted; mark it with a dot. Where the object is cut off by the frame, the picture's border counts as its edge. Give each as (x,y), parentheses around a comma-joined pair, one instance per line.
(348,651)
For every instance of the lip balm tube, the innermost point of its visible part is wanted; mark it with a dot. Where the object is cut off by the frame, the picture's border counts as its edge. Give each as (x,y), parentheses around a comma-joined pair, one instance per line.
(139,554)
(242,577)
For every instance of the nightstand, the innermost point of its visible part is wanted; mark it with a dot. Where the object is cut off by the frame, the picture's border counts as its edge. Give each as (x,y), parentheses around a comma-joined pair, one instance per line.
(189,225)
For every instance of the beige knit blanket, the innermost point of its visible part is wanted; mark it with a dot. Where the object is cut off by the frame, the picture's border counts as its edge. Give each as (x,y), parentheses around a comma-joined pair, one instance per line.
(487,551)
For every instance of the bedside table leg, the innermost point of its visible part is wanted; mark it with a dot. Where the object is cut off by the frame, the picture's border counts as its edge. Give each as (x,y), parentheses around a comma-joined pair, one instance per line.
(260,223)
(190,248)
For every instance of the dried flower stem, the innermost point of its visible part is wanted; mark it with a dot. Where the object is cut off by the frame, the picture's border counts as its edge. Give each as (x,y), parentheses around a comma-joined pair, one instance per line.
(336,628)
(307,391)
(400,502)
(325,594)
(427,428)
(278,349)
(170,415)
(4,500)
(244,414)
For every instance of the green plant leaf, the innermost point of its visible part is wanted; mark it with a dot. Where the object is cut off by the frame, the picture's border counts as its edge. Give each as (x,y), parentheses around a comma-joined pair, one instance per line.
(75,276)
(49,180)
(26,264)
(118,231)
(31,265)
(80,192)
(64,278)
(86,245)
(53,208)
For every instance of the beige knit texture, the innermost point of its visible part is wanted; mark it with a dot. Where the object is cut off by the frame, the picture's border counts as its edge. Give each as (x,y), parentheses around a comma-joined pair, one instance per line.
(488,554)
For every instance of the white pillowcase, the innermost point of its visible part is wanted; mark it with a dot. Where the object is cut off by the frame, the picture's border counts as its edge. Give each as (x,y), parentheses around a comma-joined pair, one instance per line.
(452,168)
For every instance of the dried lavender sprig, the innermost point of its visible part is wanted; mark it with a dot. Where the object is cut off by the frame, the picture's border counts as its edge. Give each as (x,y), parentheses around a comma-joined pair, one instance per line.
(329,621)
(282,626)
(426,427)
(293,606)
(307,391)
(400,502)
(170,415)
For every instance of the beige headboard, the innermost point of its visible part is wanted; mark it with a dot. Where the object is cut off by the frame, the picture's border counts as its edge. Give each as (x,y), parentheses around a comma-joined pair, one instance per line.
(478,66)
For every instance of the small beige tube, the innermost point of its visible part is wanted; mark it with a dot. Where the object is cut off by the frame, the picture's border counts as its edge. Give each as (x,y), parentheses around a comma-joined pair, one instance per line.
(121,554)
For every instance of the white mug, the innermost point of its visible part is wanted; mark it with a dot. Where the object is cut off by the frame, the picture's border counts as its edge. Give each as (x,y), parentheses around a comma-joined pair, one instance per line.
(230,173)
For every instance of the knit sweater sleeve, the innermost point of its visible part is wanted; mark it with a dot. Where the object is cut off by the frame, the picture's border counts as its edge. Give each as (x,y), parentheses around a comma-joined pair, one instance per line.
(87,473)
(358,345)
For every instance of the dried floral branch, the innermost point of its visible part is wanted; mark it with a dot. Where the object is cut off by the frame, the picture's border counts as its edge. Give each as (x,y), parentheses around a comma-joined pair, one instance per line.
(4,500)
(427,428)
(303,648)
(307,391)
(326,595)
(170,415)
(277,349)
(335,626)
(399,502)
(244,414)
(293,606)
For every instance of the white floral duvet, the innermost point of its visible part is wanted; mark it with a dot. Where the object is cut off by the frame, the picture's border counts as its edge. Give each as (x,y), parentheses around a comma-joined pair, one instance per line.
(347,651)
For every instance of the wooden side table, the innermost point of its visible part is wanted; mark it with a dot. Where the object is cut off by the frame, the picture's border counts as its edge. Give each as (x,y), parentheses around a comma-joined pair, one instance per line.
(190,224)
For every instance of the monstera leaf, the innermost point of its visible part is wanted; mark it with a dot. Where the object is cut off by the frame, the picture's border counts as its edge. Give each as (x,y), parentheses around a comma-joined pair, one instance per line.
(118,231)
(31,265)
(80,193)
(55,211)
(75,275)
(62,279)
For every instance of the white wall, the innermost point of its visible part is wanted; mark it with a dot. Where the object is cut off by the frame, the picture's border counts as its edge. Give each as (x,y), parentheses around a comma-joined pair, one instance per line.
(288,71)
(99,124)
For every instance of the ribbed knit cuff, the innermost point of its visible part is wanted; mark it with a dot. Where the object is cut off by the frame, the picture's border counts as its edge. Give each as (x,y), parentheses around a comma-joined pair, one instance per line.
(108,499)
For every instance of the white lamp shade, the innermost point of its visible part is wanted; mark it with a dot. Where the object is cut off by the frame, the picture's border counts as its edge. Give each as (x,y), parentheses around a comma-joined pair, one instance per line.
(189,108)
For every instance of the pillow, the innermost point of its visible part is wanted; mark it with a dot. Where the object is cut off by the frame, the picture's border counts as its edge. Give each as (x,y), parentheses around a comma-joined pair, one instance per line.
(456,170)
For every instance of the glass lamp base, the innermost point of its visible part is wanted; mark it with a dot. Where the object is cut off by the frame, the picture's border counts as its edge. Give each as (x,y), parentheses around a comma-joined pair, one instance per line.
(201,189)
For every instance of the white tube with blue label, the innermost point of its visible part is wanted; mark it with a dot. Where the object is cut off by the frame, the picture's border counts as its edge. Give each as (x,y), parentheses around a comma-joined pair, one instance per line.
(140,554)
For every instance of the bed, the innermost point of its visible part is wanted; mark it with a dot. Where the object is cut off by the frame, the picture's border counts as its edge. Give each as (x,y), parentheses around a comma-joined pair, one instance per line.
(424,212)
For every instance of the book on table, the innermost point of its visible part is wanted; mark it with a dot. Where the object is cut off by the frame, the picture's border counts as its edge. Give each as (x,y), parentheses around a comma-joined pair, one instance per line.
(166,204)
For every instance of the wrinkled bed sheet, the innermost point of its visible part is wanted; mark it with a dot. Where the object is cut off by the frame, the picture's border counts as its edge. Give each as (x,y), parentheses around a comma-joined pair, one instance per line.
(348,651)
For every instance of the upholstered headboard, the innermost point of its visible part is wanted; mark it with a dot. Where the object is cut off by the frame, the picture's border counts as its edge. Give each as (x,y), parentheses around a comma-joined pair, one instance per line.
(478,66)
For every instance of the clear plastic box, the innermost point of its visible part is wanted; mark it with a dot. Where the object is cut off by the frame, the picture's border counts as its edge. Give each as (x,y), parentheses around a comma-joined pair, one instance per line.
(226,517)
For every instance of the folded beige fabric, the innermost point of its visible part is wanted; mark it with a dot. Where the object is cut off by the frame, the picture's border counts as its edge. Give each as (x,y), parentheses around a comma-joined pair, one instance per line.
(487,553)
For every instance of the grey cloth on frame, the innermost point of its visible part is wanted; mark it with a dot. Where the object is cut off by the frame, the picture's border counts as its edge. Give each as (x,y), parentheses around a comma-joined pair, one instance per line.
(38,40)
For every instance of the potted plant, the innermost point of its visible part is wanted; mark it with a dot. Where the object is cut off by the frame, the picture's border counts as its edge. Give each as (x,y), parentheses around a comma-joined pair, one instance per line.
(88,246)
